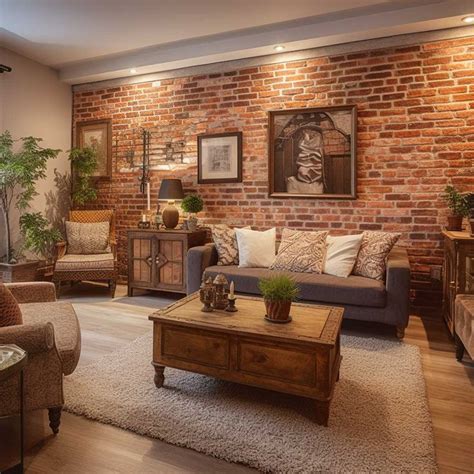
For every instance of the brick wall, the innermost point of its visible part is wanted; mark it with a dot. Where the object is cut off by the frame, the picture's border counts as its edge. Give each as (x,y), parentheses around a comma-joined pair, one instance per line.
(415,135)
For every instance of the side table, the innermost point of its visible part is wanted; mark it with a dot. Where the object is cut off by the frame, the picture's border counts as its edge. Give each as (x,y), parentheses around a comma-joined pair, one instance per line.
(12,362)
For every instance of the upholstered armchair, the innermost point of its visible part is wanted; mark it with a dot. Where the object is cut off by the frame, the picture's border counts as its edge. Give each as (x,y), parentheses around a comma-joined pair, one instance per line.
(75,267)
(51,336)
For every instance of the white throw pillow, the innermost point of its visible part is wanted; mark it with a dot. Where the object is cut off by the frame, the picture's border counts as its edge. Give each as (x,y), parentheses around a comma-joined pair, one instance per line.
(256,249)
(341,254)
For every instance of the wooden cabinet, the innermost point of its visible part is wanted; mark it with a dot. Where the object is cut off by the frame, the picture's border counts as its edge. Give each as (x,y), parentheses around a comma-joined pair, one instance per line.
(157,258)
(458,271)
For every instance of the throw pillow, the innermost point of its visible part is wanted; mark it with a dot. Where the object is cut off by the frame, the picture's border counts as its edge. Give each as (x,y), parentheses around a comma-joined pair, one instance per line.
(87,238)
(301,251)
(226,244)
(341,254)
(256,249)
(10,314)
(373,253)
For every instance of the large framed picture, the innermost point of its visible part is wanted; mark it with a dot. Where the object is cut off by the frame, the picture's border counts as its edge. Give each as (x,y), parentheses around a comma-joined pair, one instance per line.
(97,134)
(312,153)
(220,158)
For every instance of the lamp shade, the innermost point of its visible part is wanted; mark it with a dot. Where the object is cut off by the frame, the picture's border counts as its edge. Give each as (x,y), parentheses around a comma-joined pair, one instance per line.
(171,189)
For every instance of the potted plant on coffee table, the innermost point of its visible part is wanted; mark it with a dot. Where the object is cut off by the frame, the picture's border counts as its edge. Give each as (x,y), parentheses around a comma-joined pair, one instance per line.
(278,293)
(192,204)
(457,203)
(20,169)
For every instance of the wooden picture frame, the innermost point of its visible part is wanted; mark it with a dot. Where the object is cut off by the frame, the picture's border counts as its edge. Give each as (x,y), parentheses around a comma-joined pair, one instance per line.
(220,158)
(312,153)
(97,134)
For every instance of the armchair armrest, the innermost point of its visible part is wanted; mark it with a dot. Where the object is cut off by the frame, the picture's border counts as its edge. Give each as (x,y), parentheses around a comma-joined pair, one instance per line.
(32,292)
(197,260)
(32,338)
(113,246)
(60,249)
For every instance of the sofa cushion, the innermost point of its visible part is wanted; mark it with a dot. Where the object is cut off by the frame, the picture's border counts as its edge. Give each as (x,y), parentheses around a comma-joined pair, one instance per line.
(354,290)
(67,333)
(10,314)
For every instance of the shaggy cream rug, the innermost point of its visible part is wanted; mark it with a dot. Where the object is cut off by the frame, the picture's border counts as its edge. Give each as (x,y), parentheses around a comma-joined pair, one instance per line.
(379,419)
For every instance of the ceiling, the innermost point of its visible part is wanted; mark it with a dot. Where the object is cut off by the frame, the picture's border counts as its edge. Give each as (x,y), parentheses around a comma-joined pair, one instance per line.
(89,40)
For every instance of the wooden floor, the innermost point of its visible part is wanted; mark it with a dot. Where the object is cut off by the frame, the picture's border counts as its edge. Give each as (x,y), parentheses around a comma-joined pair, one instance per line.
(84,446)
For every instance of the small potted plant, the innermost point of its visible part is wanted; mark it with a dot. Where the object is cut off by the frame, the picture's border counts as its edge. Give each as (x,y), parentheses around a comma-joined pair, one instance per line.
(192,204)
(458,205)
(278,292)
(470,206)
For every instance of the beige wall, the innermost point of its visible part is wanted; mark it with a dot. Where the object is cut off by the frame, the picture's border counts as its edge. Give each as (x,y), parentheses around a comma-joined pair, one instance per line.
(34,102)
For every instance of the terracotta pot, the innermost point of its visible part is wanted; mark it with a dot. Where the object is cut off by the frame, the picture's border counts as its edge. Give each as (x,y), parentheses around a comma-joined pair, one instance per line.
(278,311)
(455,222)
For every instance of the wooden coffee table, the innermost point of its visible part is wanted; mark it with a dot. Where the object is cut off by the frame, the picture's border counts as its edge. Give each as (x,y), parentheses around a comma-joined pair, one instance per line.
(301,358)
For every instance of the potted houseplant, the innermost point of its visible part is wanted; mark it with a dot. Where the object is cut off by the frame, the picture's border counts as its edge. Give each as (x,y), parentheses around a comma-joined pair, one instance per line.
(470,206)
(458,205)
(278,292)
(20,169)
(192,204)
(83,164)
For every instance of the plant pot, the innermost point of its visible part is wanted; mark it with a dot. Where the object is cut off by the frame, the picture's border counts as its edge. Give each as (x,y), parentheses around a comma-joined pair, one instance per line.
(455,222)
(14,272)
(192,223)
(278,311)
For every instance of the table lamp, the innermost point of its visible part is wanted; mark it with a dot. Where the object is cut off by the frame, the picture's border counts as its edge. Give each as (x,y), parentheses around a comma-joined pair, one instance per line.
(170,190)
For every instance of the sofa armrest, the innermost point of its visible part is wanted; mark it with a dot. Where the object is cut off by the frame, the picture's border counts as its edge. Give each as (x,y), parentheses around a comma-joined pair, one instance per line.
(32,338)
(32,292)
(197,260)
(398,284)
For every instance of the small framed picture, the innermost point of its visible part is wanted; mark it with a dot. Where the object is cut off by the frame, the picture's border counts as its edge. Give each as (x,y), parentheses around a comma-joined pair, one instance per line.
(220,158)
(97,134)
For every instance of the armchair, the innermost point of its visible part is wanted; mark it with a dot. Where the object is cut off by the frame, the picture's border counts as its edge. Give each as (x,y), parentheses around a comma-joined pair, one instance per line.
(94,267)
(50,334)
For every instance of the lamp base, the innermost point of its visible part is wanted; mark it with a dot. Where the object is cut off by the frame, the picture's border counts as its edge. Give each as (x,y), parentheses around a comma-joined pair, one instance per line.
(170,216)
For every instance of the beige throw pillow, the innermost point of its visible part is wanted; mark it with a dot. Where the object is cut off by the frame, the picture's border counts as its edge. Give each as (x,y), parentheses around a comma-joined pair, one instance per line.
(301,251)
(341,254)
(226,244)
(256,248)
(374,249)
(90,238)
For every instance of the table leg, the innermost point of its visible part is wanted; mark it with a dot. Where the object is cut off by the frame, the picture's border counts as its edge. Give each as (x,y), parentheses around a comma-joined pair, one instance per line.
(322,412)
(159,375)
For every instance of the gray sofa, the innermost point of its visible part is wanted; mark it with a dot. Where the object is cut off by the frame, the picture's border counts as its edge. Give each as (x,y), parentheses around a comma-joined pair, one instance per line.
(362,298)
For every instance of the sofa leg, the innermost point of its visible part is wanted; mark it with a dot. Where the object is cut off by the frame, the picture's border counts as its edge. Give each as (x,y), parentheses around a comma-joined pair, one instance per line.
(400,332)
(54,418)
(459,347)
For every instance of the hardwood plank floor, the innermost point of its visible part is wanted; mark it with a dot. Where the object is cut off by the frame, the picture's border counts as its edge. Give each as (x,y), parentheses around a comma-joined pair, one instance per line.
(87,446)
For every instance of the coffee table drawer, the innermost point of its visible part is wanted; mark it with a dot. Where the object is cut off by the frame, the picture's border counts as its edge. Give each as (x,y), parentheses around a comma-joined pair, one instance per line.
(284,363)
(202,347)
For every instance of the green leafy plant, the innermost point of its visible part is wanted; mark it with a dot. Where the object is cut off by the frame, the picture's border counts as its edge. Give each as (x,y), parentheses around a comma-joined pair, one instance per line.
(19,172)
(278,288)
(38,235)
(456,201)
(192,204)
(84,163)
(470,204)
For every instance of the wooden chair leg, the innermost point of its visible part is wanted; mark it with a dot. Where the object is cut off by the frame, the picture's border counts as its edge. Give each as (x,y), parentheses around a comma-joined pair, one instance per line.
(112,286)
(459,347)
(54,418)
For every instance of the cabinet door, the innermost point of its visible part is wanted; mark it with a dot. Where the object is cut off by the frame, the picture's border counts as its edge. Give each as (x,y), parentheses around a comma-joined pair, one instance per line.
(169,262)
(141,261)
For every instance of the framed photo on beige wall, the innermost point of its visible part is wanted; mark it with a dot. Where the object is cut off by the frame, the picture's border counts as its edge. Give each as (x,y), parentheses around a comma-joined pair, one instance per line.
(97,134)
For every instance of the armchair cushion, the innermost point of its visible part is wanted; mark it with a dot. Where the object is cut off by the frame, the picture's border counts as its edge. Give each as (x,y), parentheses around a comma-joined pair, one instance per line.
(10,314)
(32,291)
(88,238)
(93,262)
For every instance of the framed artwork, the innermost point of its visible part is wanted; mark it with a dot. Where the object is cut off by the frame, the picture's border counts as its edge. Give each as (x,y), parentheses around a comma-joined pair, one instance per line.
(97,134)
(220,158)
(312,153)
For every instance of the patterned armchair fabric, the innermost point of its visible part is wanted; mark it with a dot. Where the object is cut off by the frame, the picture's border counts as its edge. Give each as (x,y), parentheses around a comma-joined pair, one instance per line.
(50,334)
(79,267)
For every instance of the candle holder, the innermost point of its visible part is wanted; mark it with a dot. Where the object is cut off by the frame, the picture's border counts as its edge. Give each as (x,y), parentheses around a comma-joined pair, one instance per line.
(220,292)
(206,295)
(231,305)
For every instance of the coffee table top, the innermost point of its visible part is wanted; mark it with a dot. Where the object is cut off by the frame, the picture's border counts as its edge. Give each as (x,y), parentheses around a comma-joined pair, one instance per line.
(311,323)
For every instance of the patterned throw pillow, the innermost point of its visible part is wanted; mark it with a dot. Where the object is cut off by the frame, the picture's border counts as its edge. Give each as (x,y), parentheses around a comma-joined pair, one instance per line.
(301,251)
(226,244)
(373,253)
(10,314)
(88,238)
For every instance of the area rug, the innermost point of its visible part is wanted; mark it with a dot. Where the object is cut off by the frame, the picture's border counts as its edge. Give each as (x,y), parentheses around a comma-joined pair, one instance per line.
(379,421)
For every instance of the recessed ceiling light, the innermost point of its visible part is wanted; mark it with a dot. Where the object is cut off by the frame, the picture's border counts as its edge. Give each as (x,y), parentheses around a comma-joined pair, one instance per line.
(279,47)
(468,19)
(133,71)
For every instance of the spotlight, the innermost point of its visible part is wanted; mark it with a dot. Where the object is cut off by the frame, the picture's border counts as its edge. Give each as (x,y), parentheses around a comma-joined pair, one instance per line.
(279,47)
(468,19)
(133,71)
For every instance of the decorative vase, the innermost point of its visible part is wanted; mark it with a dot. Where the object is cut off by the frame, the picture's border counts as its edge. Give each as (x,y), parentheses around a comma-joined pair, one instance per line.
(278,311)
(192,222)
(455,223)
